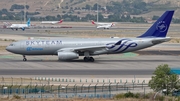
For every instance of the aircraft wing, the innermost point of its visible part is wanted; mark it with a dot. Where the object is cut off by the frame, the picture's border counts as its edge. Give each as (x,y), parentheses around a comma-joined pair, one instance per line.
(82,49)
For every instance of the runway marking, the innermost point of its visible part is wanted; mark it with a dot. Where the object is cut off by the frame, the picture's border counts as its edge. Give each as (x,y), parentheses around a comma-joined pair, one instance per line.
(129,54)
(125,55)
(6,56)
(9,56)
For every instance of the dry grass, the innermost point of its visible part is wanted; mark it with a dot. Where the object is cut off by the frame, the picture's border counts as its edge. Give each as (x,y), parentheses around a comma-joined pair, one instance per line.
(49,7)
(175,40)
(2,48)
(82,99)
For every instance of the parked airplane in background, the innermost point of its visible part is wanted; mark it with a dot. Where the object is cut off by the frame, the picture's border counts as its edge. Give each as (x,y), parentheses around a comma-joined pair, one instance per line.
(68,49)
(52,22)
(20,26)
(102,25)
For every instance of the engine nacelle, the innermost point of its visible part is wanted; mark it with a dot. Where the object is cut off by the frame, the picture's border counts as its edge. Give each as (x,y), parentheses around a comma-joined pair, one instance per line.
(67,55)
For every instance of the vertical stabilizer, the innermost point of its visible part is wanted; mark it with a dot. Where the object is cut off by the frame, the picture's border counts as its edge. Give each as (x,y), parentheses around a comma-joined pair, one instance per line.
(160,27)
(29,22)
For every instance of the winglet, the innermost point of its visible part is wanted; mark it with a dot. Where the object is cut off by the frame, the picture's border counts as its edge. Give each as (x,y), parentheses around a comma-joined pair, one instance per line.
(160,27)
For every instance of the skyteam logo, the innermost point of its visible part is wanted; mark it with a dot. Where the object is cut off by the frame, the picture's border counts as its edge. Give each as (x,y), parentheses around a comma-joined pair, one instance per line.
(33,49)
(161,26)
(121,46)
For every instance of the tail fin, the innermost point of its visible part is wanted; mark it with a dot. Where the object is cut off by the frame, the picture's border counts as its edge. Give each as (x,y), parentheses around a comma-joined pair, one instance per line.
(112,24)
(29,22)
(160,27)
(92,21)
(60,21)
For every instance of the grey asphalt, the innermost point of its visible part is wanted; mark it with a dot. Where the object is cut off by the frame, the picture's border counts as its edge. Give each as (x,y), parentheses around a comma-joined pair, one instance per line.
(75,72)
(105,65)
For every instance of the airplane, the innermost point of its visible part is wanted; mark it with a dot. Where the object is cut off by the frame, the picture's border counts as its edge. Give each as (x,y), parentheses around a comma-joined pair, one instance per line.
(102,25)
(52,22)
(20,26)
(69,48)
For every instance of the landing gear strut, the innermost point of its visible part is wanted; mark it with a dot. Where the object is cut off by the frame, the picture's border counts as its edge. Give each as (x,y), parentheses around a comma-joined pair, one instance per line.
(87,59)
(24,58)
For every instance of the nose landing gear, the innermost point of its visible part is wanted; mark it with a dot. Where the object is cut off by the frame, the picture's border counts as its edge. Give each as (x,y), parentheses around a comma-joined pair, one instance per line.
(24,58)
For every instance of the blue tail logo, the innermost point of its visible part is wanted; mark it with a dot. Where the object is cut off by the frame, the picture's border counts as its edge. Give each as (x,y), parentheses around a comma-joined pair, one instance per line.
(160,27)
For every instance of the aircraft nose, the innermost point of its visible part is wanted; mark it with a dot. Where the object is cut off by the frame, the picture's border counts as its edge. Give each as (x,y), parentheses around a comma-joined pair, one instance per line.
(10,49)
(7,48)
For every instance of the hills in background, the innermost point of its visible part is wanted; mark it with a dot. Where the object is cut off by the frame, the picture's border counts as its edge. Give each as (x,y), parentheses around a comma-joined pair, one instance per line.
(78,7)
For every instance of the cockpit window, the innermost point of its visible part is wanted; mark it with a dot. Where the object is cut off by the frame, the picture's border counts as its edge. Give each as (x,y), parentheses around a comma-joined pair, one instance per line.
(11,45)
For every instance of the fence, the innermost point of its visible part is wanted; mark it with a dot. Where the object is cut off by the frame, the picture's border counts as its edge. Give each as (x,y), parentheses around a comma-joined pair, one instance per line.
(29,88)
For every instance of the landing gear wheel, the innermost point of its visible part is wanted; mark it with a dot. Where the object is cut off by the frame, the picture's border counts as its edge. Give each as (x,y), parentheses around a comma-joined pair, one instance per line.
(91,59)
(24,59)
(86,59)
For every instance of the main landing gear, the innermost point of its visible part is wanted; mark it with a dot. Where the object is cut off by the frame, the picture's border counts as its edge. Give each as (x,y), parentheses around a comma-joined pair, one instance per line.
(87,59)
(24,58)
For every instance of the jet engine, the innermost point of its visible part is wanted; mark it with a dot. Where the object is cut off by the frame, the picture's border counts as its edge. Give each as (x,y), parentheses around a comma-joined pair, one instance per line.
(67,55)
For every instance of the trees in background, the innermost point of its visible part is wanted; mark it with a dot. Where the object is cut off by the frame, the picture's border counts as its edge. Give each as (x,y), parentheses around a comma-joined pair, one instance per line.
(164,79)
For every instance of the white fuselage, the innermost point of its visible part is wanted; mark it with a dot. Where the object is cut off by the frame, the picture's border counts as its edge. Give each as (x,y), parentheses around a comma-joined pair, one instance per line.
(17,26)
(49,22)
(95,46)
(104,25)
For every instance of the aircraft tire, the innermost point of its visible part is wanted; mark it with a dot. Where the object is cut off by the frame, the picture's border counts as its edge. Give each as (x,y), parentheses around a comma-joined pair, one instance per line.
(91,59)
(24,59)
(86,59)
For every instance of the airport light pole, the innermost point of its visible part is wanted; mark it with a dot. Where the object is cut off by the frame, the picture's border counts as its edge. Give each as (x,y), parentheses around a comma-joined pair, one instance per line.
(25,11)
(97,12)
